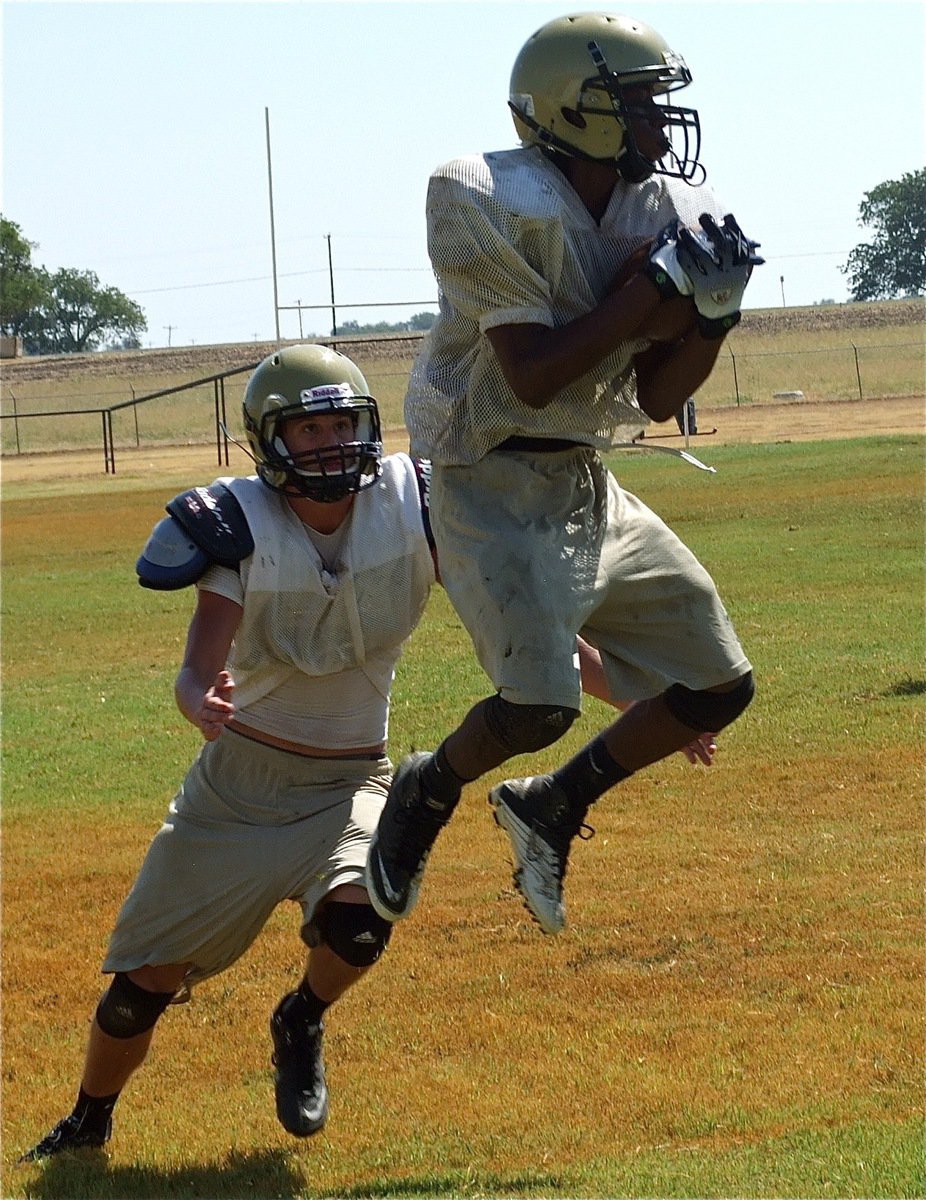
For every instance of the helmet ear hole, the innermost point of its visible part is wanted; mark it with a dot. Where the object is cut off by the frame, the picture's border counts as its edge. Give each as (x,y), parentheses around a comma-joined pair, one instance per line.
(574,118)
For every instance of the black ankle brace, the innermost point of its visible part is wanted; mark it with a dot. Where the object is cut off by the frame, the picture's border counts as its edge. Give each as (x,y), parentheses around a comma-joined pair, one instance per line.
(440,780)
(94,1112)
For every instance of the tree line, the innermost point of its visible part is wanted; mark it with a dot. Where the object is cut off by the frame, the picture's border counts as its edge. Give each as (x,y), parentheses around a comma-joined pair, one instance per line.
(62,312)
(69,310)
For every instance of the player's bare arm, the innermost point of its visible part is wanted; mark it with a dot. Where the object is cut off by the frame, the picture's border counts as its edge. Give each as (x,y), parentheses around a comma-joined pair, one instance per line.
(539,361)
(667,374)
(203,687)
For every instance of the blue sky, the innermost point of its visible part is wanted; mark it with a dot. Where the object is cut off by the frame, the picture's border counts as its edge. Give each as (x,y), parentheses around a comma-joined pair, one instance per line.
(134,140)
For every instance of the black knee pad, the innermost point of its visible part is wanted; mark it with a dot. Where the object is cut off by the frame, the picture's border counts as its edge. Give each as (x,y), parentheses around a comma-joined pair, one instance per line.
(523,728)
(709,712)
(355,932)
(128,1010)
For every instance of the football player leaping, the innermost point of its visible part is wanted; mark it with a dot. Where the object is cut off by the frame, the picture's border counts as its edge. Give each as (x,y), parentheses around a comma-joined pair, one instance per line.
(584,277)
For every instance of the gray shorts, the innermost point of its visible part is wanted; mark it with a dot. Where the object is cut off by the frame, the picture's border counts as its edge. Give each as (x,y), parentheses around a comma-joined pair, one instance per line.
(251,826)
(538,547)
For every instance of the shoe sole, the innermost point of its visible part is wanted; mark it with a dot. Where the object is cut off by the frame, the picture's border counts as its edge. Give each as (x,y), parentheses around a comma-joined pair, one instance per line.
(373,884)
(519,836)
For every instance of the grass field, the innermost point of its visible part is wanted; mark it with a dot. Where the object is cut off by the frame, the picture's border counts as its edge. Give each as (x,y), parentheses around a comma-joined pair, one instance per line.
(735,1008)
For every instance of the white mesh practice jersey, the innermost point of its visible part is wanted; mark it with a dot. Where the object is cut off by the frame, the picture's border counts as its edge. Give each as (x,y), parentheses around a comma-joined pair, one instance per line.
(315,654)
(511,243)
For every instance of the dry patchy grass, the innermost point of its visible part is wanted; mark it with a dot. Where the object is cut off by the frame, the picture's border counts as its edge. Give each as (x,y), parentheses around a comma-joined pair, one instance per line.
(742,963)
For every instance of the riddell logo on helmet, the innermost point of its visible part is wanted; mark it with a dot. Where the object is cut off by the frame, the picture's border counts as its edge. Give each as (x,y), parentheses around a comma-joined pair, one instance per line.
(722,295)
(328,391)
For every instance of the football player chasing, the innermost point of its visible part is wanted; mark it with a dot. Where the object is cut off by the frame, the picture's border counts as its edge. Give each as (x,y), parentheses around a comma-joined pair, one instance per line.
(310,576)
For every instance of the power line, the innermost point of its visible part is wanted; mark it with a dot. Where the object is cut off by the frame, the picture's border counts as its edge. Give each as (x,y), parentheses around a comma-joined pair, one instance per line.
(186,287)
(811,254)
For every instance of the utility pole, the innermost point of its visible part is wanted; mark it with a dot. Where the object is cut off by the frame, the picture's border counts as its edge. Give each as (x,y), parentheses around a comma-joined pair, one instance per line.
(273,240)
(170,329)
(782,281)
(334,315)
(299,310)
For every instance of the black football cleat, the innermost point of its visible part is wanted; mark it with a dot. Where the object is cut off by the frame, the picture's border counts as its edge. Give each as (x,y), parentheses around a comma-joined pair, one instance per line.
(299,1078)
(541,826)
(71,1133)
(408,827)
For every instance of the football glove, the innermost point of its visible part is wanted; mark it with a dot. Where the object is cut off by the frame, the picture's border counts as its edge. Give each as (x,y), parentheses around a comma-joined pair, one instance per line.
(718,259)
(663,268)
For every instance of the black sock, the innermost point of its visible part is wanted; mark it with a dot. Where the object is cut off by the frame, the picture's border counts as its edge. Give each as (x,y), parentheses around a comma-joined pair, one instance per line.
(590,773)
(440,781)
(310,1006)
(94,1112)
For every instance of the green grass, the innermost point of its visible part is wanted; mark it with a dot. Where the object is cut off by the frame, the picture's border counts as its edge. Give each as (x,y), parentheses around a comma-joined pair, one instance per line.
(735,1008)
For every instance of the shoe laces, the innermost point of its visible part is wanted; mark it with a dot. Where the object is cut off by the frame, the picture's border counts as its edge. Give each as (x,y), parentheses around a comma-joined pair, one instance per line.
(421,826)
(70,1131)
(560,834)
(292,1031)
(289,1037)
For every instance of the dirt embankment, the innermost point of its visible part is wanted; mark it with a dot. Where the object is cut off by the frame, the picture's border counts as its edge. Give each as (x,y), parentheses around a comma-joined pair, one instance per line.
(208,360)
(796,420)
(197,360)
(818,317)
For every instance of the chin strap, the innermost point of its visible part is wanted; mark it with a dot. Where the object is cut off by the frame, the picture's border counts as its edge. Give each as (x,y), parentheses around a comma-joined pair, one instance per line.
(646,448)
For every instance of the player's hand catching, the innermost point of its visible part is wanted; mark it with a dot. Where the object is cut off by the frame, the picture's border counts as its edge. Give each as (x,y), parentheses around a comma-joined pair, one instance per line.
(216,709)
(718,259)
(663,268)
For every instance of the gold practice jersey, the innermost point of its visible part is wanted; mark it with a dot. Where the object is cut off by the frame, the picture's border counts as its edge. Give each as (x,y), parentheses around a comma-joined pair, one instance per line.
(511,243)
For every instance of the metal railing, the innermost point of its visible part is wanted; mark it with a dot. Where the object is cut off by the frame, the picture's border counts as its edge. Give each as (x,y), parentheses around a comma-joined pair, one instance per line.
(106,414)
(737,378)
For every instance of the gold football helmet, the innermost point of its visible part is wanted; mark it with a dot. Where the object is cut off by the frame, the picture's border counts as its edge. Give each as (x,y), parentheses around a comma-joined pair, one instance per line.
(312,379)
(568,88)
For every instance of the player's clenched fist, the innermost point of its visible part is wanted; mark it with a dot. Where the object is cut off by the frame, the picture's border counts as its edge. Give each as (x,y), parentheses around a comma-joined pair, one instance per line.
(216,709)
(676,315)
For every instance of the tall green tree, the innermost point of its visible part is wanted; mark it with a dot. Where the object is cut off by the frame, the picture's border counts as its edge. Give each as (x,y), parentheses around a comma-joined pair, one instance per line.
(893,264)
(79,314)
(61,313)
(24,288)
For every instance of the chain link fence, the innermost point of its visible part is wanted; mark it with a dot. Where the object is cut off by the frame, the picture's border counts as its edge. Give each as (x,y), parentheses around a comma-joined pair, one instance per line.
(50,417)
